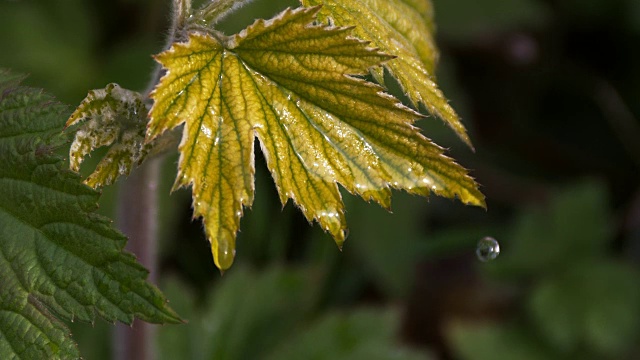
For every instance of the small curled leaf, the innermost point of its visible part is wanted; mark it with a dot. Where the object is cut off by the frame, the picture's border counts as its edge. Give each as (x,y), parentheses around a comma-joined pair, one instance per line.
(114,117)
(59,260)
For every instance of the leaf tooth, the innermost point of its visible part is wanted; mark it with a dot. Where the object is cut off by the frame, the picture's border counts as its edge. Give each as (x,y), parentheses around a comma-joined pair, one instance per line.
(182,180)
(382,197)
(404,29)
(297,15)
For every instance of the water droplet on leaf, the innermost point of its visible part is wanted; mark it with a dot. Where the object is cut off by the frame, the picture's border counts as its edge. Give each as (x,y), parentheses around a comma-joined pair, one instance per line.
(487,249)
(224,253)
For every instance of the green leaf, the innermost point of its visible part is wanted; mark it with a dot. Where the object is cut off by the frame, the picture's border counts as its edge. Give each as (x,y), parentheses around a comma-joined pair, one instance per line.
(472,341)
(594,305)
(283,81)
(58,259)
(249,313)
(574,226)
(390,264)
(272,319)
(361,334)
(110,116)
(403,28)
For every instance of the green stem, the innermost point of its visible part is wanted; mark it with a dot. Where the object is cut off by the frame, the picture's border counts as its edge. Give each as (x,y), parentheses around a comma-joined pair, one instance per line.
(137,218)
(138,202)
(216,10)
(180,19)
(181,13)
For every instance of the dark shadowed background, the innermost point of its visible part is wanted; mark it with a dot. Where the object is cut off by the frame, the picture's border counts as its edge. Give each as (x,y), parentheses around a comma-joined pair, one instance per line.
(549,91)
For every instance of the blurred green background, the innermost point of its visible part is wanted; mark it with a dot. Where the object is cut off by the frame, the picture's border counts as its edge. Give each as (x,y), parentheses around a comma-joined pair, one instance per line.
(549,90)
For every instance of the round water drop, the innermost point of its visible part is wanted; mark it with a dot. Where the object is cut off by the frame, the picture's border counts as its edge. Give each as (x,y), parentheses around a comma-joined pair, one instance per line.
(487,249)
(224,253)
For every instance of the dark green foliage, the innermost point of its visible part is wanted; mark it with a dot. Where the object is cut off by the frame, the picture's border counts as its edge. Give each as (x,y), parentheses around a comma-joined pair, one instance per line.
(580,302)
(59,260)
(270,315)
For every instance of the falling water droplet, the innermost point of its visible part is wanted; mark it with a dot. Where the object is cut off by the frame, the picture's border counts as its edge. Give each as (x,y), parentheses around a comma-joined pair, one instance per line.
(487,249)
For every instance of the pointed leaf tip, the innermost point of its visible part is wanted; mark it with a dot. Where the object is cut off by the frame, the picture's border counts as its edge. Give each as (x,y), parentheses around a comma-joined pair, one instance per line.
(224,251)
(402,28)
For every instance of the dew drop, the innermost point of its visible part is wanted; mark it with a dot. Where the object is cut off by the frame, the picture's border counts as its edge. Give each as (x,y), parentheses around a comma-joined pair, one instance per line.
(487,249)
(224,254)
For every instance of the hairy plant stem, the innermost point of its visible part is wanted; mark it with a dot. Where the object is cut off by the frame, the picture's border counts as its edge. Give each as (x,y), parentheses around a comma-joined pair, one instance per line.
(181,15)
(217,10)
(137,218)
(138,201)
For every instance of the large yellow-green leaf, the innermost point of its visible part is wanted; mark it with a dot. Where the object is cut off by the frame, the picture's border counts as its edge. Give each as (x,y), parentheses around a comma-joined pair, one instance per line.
(402,28)
(284,81)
